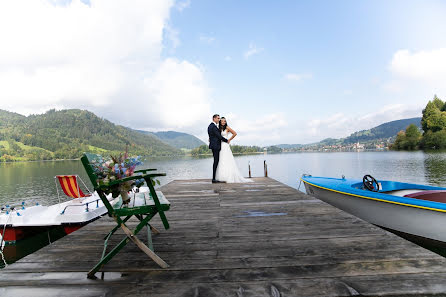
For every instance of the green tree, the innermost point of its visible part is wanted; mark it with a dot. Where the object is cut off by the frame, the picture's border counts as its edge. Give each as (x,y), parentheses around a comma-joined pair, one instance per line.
(400,142)
(438,102)
(274,149)
(201,150)
(433,118)
(434,125)
(434,140)
(413,136)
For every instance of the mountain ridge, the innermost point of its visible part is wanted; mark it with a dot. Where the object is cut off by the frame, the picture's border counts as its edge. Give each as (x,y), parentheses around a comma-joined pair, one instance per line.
(179,140)
(385,130)
(66,134)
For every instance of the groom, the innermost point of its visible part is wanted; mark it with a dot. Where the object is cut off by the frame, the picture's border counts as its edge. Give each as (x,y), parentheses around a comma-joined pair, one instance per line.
(215,140)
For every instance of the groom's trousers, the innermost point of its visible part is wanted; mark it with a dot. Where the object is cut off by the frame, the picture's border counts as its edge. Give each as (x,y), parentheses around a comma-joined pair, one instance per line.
(216,154)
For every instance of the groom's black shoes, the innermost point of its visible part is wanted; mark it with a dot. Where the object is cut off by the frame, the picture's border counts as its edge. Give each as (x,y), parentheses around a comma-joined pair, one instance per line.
(214,181)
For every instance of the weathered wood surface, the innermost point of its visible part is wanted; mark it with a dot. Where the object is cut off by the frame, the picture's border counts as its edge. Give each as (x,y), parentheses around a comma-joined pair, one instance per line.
(258,239)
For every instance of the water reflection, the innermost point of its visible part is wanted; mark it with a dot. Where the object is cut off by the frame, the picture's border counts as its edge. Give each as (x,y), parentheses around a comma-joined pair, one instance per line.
(34,181)
(435,168)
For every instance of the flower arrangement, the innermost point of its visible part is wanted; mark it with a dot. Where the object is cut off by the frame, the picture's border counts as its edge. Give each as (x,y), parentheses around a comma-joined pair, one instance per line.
(118,167)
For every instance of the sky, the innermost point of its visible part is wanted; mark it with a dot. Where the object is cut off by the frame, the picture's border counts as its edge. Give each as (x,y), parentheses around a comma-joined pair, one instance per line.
(279,71)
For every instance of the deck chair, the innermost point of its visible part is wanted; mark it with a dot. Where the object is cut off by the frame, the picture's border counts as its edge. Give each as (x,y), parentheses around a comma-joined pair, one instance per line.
(159,204)
(70,186)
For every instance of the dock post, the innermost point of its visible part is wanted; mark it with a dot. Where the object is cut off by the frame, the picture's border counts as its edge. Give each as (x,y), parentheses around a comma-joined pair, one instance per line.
(265,168)
(249,168)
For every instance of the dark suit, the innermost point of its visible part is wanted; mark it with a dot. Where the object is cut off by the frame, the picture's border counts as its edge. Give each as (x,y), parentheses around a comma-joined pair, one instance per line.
(215,140)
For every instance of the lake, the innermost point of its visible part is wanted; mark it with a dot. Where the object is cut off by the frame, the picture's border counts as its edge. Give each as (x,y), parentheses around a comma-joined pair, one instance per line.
(34,181)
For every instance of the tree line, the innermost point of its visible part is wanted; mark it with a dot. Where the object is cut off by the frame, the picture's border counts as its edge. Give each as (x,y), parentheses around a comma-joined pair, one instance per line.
(237,150)
(433,124)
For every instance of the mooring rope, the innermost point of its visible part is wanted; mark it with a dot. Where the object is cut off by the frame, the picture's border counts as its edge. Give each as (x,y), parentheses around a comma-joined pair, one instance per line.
(3,256)
(4,229)
(2,242)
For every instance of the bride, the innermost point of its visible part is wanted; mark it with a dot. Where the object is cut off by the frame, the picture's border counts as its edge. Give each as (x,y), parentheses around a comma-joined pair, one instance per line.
(227,170)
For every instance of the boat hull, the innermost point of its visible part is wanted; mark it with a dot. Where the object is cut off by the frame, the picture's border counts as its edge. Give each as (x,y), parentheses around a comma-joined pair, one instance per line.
(13,234)
(26,222)
(419,222)
(13,251)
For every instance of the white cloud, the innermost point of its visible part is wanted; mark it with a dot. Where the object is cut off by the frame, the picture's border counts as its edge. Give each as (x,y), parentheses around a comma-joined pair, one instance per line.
(206,39)
(297,77)
(422,71)
(340,125)
(172,35)
(181,5)
(277,128)
(180,94)
(263,130)
(104,56)
(415,75)
(252,50)
(429,66)
(318,127)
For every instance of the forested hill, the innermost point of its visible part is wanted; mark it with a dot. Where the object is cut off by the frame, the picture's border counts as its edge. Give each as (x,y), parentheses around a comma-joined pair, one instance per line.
(378,133)
(67,134)
(386,130)
(178,140)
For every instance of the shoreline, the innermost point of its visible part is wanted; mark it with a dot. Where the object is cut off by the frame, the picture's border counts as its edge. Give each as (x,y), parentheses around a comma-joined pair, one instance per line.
(236,154)
(76,159)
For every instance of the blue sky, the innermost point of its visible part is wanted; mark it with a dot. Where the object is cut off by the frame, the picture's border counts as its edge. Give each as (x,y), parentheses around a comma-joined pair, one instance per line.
(342,50)
(281,71)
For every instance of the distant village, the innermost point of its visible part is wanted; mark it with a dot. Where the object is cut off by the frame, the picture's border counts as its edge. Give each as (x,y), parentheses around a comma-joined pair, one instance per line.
(377,145)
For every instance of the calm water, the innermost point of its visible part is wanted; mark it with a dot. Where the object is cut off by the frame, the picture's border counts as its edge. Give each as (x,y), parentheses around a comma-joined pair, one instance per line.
(34,181)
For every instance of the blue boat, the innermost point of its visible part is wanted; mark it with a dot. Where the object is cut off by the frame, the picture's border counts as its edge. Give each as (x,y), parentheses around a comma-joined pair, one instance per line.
(412,211)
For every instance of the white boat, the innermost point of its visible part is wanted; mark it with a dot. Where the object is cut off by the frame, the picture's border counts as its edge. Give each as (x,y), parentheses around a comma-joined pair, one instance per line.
(22,221)
(412,211)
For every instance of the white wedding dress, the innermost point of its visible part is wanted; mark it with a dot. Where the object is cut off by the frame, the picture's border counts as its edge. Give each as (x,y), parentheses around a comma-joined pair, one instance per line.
(227,169)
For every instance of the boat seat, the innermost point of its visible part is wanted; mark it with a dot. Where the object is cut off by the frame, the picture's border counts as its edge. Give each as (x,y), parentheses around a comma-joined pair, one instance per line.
(402,193)
(70,186)
(437,196)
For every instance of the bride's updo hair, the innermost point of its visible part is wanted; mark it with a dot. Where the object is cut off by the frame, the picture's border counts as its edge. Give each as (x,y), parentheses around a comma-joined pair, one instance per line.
(222,127)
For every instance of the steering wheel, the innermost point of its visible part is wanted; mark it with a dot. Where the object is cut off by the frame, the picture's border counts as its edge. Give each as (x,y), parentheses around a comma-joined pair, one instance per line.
(370,183)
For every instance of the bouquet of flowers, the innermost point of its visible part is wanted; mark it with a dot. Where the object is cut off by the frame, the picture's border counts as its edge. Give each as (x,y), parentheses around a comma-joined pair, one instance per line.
(116,168)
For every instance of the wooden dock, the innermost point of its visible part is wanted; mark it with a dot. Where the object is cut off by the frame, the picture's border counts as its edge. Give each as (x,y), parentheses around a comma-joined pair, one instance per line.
(258,239)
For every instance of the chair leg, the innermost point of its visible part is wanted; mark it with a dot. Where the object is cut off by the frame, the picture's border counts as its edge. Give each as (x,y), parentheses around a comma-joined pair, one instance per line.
(107,258)
(129,236)
(116,228)
(149,232)
(149,238)
(150,229)
(143,247)
(154,230)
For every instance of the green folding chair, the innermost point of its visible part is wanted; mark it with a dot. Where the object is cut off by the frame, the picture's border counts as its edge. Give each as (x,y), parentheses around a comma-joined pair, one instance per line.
(158,204)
